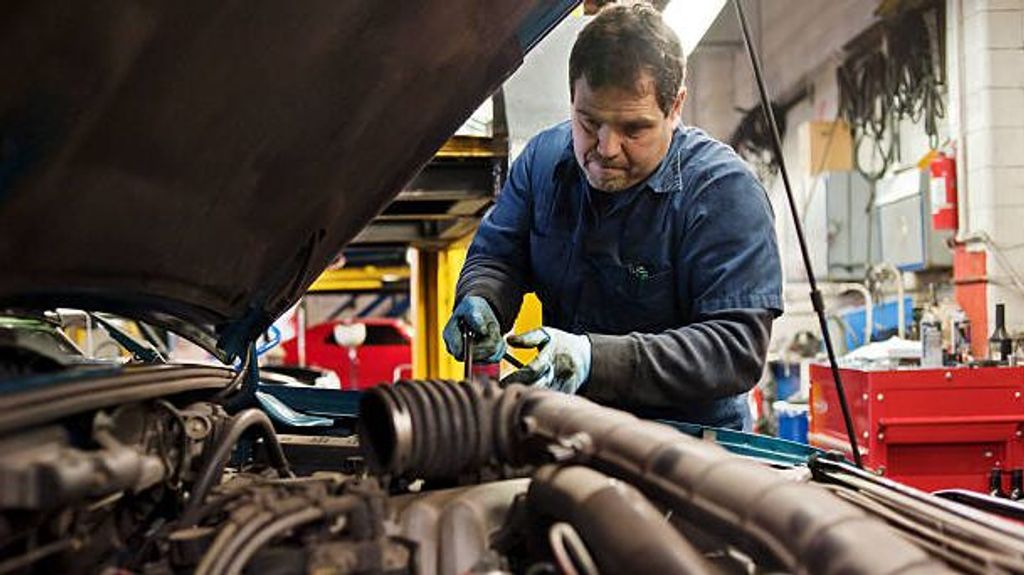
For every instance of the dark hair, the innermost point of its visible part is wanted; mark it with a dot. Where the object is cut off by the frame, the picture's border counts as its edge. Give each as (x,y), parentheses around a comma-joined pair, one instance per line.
(624,41)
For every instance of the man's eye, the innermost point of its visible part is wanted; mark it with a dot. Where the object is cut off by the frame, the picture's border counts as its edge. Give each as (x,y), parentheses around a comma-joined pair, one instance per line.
(588,125)
(635,131)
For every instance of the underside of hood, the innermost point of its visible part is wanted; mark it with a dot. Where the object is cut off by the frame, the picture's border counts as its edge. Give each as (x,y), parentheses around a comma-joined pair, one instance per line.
(209,159)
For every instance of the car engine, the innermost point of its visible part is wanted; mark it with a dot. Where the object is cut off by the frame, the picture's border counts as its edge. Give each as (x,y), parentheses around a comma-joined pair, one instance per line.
(443,477)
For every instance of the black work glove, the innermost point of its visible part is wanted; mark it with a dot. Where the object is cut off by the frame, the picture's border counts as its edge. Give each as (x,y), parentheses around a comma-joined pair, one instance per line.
(474,313)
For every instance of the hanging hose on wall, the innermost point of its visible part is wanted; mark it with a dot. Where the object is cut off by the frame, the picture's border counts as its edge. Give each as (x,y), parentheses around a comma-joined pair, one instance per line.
(895,71)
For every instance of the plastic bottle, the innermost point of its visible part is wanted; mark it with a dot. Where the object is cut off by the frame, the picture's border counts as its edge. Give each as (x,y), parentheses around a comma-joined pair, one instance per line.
(961,337)
(931,334)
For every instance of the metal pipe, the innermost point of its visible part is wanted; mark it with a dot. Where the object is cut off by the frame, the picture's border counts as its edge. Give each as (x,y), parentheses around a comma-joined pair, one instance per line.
(246,531)
(622,529)
(248,547)
(469,521)
(570,551)
(300,331)
(963,186)
(869,307)
(281,525)
(901,313)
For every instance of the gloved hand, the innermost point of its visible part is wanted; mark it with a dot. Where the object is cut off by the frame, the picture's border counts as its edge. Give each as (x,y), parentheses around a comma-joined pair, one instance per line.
(475,313)
(563,363)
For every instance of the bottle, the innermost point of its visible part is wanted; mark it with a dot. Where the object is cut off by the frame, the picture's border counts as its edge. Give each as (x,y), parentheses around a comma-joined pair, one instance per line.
(961,337)
(995,482)
(1000,346)
(931,334)
(914,330)
(1016,484)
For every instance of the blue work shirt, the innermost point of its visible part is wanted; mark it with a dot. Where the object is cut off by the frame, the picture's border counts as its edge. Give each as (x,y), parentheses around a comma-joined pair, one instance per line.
(693,240)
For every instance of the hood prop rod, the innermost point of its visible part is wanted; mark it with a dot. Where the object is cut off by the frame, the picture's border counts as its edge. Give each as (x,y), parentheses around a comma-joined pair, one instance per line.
(816,299)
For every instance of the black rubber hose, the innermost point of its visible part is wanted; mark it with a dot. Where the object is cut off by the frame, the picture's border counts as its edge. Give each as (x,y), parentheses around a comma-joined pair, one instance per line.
(622,529)
(434,429)
(800,526)
(242,422)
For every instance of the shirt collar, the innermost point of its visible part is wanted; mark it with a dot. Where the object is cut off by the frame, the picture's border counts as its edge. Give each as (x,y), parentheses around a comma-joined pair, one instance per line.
(664,179)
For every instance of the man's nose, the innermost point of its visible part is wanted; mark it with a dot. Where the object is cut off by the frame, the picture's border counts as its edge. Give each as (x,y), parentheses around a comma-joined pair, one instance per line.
(609,143)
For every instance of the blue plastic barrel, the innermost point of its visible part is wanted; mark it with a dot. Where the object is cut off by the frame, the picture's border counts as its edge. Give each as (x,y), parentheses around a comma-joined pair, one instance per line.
(787,378)
(792,418)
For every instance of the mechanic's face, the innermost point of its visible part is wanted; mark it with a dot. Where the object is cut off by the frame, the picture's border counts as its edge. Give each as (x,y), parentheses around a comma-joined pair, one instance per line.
(620,135)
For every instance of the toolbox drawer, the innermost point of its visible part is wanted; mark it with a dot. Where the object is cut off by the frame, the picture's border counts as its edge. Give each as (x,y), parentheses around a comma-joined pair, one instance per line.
(928,428)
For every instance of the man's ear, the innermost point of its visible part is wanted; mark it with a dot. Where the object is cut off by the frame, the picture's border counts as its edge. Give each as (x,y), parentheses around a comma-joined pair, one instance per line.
(677,107)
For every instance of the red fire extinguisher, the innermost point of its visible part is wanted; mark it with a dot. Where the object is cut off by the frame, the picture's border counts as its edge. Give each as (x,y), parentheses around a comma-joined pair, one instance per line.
(943,192)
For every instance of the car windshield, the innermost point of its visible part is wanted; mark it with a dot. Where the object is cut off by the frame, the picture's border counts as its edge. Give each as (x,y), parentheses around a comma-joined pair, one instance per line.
(43,342)
(17,332)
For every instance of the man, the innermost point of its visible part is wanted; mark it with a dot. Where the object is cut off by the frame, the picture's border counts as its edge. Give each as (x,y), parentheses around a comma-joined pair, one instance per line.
(651,246)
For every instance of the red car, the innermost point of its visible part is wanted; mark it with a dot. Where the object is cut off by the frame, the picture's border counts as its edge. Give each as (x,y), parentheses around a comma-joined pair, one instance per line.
(384,353)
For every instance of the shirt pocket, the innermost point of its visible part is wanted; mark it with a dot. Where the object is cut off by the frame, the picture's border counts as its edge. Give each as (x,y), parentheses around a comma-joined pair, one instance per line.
(635,298)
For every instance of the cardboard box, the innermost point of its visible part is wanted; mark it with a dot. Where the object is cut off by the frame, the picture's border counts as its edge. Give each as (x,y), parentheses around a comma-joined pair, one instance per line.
(826,146)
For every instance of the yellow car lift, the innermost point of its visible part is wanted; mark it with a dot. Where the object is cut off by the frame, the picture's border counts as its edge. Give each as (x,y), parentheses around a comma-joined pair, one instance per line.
(432,279)
(432,276)
(435,274)
(365,278)
(471,147)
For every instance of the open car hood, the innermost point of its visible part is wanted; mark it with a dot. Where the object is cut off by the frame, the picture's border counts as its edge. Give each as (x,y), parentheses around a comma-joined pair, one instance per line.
(207,160)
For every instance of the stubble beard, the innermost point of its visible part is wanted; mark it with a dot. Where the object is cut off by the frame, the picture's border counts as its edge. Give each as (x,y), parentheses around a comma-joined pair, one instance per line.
(611,185)
(615,182)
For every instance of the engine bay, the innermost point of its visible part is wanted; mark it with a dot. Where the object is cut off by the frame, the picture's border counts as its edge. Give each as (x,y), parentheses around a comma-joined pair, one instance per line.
(448,477)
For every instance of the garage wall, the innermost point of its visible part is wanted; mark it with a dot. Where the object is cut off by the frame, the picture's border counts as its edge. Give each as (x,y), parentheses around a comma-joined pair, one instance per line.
(711,101)
(991,79)
(795,38)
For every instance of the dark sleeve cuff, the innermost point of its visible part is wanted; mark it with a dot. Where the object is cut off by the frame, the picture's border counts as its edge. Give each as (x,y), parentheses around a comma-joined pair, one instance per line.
(613,364)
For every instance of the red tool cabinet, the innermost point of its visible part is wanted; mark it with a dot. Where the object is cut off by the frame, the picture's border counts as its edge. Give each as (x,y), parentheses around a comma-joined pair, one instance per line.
(928,428)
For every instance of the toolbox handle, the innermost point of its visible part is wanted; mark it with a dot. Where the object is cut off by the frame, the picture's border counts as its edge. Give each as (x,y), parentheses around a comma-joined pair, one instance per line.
(826,441)
(950,420)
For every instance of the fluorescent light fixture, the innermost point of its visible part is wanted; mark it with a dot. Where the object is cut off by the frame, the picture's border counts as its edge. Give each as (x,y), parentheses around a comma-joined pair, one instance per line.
(691,19)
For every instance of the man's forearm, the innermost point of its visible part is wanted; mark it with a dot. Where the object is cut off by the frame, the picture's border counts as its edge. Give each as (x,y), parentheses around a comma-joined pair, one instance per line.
(721,355)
